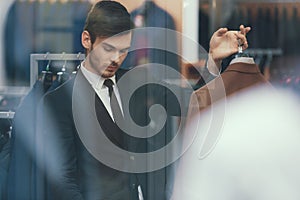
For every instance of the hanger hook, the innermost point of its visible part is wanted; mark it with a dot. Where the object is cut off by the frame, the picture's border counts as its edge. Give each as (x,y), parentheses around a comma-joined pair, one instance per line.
(78,55)
(49,61)
(65,63)
(64,66)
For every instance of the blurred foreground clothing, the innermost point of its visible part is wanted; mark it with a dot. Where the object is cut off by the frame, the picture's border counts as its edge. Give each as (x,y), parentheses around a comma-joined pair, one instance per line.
(24,172)
(253,154)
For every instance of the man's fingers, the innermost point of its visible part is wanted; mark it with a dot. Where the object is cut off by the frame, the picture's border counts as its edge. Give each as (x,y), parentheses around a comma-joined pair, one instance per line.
(221,31)
(241,38)
(248,29)
(245,45)
(244,30)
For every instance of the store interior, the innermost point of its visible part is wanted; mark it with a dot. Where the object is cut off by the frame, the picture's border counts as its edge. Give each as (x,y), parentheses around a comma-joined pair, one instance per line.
(40,40)
(54,27)
(51,29)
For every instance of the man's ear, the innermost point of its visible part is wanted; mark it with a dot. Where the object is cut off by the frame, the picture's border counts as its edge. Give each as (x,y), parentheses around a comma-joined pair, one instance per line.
(86,40)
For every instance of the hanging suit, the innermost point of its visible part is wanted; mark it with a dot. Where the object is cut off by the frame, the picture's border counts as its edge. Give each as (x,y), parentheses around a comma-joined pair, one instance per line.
(153,16)
(4,158)
(206,126)
(22,164)
(237,76)
(44,25)
(23,171)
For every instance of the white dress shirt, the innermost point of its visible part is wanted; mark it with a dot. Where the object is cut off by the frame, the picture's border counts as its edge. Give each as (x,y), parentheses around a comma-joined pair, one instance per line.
(247,60)
(96,82)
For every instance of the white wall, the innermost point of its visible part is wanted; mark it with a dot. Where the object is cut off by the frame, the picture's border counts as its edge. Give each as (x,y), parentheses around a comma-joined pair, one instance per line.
(190,30)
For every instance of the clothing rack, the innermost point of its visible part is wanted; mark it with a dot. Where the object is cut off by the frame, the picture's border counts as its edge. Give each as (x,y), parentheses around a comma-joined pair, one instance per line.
(34,58)
(7,115)
(12,91)
(266,55)
(264,52)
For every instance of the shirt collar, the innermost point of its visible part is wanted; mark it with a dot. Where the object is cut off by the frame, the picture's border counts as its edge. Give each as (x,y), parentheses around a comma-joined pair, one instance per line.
(94,79)
(248,60)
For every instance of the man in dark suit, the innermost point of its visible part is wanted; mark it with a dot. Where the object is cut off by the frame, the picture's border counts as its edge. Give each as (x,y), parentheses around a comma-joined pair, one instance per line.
(88,149)
(72,172)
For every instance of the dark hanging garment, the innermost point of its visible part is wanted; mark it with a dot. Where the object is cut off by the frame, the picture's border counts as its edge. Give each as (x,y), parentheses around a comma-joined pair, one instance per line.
(282,30)
(19,41)
(79,11)
(203,29)
(151,15)
(276,28)
(22,166)
(4,155)
(234,21)
(293,33)
(256,25)
(24,171)
(250,36)
(270,25)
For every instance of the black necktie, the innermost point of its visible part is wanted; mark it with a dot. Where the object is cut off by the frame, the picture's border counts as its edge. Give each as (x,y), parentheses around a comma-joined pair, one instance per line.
(115,107)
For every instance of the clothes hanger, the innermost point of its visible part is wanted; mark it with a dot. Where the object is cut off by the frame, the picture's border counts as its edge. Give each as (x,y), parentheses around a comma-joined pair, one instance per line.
(47,75)
(74,72)
(239,55)
(63,76)
(240,52)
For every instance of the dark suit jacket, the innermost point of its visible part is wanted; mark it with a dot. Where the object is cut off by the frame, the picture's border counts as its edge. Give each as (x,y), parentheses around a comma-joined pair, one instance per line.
(237,77)
(23,172)
(72,172)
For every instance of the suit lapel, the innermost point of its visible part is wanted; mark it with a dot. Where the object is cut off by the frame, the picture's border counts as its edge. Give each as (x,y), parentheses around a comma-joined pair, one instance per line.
(108,126)
(111,130)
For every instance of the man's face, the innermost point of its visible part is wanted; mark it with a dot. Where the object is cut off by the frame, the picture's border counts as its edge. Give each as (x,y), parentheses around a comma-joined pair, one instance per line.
(107,54)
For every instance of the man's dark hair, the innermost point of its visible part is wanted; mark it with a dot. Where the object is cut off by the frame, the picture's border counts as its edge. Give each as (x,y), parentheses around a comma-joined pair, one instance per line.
(107,18)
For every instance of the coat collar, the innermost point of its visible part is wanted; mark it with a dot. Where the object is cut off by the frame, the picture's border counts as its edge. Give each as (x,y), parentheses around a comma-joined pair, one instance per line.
(243,67)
